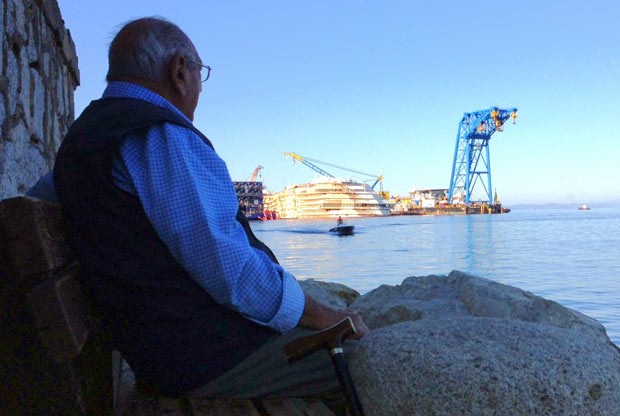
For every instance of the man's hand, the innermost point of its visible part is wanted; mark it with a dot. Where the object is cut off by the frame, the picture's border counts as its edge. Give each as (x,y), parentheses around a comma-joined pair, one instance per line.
(318,316)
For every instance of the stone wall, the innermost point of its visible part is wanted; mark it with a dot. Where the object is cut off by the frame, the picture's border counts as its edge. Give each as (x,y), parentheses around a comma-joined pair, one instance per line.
(39,75)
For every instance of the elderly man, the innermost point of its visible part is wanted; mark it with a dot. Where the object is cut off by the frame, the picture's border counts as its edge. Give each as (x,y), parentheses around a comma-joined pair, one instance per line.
(195,302)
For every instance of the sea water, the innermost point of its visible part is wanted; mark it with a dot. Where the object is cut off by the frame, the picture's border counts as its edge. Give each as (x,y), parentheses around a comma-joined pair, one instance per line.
(561,254)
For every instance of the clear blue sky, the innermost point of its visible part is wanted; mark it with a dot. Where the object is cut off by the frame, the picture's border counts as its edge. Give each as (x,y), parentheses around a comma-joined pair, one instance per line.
(380,87)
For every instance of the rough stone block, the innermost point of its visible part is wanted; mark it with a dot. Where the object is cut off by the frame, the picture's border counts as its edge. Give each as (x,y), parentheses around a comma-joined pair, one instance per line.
(34,234)
(60,315)
(223,407)
(295,407)
(55,359)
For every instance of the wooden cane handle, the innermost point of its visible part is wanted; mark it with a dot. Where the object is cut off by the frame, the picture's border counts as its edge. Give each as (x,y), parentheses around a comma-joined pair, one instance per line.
(328,338)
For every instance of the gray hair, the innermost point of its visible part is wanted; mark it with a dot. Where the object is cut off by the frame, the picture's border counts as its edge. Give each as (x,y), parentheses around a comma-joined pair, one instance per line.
(144,47)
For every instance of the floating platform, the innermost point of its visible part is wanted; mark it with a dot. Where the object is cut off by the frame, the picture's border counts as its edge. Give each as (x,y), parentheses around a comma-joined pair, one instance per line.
(456,210)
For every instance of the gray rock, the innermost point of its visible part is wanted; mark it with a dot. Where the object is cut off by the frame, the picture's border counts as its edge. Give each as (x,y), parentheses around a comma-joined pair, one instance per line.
(485,366)
(332,294)
(470,346)
(492,299)
(429,297)
(461,295)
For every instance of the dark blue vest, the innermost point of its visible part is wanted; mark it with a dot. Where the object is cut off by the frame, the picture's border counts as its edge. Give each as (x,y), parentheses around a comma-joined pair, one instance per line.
(172,333)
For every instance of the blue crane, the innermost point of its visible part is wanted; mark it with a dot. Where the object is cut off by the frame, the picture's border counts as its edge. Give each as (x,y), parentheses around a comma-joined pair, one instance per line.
(472,159)
(308,162)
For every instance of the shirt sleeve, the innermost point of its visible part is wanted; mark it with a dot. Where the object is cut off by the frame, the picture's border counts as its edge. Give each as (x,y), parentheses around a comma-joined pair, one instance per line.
(44,188)
(188,196)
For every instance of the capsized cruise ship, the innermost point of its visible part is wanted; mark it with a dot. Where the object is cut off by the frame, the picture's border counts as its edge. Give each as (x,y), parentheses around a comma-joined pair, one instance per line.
(327,197)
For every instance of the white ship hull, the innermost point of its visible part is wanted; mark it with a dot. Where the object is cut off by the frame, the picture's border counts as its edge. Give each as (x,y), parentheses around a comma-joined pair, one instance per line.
(327,198)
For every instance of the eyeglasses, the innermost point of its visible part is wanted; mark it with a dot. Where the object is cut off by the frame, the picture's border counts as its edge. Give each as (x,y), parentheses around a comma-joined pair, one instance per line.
(202,69)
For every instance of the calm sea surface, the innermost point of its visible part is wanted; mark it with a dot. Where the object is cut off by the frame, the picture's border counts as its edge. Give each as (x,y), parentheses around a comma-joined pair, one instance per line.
(562,254)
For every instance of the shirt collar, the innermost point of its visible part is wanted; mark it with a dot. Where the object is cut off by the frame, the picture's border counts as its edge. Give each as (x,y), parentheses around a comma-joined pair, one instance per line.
(120,89)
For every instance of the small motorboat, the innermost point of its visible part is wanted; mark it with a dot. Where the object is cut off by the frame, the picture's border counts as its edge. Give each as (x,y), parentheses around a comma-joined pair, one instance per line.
(342,230)
(584,207)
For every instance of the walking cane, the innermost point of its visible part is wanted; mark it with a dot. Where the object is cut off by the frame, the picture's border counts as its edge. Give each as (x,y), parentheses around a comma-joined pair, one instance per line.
(331,339)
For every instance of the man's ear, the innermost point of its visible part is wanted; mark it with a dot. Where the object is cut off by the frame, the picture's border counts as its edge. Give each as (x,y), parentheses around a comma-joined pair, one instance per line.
(179,75)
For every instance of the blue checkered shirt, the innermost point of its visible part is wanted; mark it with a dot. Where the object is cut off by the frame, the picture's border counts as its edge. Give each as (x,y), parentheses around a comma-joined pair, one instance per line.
(188,196)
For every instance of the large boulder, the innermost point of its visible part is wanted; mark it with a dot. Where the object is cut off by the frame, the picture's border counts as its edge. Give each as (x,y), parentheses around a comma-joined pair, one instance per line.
(485,366)
(461,295)
(335,295)
(464,345)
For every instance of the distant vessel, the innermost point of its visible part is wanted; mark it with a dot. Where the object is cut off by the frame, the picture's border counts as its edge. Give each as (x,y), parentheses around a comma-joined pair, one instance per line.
(584,207)
(327,197)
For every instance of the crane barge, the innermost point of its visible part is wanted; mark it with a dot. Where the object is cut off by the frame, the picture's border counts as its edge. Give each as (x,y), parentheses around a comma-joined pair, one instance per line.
(470,190)
(471,168)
